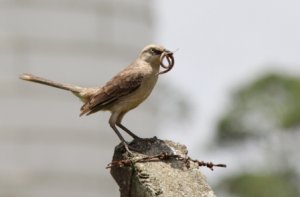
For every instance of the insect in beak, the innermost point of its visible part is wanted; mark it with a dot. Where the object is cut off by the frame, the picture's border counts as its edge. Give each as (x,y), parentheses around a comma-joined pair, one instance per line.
(168,55)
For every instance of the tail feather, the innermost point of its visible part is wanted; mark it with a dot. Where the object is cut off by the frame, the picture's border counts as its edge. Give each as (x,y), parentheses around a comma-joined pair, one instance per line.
(36,79)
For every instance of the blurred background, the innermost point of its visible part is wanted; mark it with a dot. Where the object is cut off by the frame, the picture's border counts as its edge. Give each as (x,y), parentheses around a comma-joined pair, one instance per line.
(233,96)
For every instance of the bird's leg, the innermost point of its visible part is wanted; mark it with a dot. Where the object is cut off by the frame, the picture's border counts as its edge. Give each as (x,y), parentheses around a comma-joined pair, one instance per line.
(121,138)
(112,123)
(127,131)
(131,134)
(119,124)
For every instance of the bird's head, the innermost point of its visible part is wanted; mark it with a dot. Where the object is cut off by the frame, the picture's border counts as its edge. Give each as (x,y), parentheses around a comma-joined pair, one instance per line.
(151,53)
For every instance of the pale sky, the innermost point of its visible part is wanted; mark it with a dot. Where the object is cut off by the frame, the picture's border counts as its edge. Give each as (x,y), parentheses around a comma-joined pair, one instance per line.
(222,45)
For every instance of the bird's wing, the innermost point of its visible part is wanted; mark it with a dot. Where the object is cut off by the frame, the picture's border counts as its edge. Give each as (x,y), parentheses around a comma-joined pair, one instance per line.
(121,85)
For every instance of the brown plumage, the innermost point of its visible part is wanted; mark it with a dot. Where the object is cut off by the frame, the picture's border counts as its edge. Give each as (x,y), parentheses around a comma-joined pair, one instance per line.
(121,85)
(123,92)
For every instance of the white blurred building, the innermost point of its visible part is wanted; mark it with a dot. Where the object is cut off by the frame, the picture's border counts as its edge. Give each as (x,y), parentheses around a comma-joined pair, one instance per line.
(45,148)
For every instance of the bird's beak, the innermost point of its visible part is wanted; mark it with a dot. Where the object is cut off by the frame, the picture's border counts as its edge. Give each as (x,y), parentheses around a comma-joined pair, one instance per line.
(168,52)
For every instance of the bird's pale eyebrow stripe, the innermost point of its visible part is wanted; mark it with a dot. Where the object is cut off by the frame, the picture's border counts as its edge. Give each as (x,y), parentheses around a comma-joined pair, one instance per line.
(157,51)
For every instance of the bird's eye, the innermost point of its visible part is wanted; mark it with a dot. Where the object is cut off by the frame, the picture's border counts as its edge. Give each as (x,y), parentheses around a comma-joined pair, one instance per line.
(155,52)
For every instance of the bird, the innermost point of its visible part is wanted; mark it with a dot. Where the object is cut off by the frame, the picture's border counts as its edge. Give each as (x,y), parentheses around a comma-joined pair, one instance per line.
(124,92)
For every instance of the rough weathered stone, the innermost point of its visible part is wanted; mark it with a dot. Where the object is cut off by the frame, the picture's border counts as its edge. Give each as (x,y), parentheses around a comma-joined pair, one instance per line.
(169,178)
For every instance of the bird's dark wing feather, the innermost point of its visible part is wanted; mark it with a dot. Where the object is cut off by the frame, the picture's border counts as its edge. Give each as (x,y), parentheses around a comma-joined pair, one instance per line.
(121,85)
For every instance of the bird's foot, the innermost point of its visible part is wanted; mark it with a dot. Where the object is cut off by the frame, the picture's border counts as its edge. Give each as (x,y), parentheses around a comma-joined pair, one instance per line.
(129,149)
(138,145)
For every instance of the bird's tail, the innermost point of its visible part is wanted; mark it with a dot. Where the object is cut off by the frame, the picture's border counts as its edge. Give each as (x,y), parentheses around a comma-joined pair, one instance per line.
(36,79)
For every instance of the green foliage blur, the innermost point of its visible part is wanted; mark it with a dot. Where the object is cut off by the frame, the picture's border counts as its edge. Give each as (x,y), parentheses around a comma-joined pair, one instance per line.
(261,185)
(265,109)
(269,103)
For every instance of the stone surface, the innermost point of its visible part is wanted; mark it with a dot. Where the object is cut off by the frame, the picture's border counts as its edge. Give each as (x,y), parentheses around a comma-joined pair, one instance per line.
(170,178)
